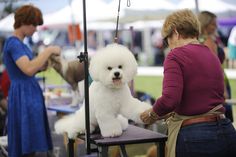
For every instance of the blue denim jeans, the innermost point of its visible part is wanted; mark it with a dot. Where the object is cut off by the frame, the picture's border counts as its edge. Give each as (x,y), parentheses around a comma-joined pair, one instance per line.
(213,139)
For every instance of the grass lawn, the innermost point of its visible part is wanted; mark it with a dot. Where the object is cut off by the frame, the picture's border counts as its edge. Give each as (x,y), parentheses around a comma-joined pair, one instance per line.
(153,85)
(52,77)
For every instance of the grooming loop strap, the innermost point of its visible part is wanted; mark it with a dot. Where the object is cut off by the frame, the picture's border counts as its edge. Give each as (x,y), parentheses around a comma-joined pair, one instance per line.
(118,18)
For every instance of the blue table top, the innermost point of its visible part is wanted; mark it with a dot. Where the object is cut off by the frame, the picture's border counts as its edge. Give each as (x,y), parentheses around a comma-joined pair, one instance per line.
(62,108)
(58,86)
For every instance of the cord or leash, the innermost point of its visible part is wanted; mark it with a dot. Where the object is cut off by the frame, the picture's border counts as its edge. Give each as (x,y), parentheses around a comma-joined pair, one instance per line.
(118,18)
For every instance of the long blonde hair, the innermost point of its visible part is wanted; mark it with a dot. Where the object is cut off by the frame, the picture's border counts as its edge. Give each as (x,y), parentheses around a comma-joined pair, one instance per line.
(205,18)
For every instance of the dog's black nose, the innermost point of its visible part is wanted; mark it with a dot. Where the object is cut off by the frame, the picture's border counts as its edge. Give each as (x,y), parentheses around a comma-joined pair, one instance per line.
(117,74)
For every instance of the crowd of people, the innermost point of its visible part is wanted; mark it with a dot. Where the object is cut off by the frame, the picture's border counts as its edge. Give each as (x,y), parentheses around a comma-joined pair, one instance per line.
(195,87)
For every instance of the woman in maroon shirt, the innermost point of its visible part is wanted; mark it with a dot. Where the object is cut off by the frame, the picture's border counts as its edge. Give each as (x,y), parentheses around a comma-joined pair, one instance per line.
(193,94)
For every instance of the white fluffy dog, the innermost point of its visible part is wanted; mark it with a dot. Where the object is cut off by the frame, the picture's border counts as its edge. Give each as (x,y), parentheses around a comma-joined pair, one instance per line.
(110,99)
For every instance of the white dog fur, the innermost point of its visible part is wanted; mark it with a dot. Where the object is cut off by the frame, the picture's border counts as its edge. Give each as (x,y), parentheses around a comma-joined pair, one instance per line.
(110,99)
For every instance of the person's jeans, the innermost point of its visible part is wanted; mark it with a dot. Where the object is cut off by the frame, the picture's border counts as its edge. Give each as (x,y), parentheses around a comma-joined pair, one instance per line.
(213,139)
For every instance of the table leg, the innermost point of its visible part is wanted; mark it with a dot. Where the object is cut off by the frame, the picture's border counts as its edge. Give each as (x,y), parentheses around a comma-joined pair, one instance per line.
(70,147)
(123,151)
(161,149)
(102,151)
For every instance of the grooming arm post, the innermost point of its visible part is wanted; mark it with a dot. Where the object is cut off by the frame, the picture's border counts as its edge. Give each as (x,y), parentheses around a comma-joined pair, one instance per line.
(84,57)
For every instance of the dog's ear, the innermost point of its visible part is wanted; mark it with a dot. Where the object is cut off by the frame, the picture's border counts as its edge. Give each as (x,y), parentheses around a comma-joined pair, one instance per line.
(53,59)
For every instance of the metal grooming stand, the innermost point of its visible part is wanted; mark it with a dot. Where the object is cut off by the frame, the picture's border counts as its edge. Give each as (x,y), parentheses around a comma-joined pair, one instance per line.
(131,136)
(83,58)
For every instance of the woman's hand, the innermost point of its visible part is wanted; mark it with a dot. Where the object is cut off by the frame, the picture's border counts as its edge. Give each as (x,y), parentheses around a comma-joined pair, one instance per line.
(54,50)
(149,116)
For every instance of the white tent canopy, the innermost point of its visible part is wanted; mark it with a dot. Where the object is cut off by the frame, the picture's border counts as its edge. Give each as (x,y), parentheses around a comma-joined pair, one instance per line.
(152,5)
(6,24)
(140,25)
(215,6)
(141,10)
(70,14)
(95,10)
(99,10)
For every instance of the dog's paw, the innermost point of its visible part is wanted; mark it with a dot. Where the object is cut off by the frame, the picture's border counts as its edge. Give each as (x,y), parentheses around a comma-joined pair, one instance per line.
(123,121)
(111,129)
(145,106)
(113,132)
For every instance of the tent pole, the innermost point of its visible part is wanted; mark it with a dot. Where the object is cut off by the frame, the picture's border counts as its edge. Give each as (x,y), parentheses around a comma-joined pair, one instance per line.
(196,6)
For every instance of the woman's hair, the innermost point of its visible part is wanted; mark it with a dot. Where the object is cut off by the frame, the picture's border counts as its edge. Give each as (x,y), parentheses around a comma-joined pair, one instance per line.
(205,18)
(184,22)
(28,15)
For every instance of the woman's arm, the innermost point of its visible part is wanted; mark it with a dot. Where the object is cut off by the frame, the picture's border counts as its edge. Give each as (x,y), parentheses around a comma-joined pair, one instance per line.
(30,67)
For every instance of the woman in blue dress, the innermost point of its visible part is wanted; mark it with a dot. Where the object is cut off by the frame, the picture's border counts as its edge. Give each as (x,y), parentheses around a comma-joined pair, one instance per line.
(28,129)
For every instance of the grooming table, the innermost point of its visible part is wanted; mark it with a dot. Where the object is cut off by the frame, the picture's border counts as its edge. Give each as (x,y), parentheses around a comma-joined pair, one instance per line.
(231,101)
(66,109)
(133,135)
(50,87)
(62,110)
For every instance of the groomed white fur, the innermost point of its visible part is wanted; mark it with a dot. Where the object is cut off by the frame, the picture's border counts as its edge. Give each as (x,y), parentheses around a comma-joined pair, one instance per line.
(111,102)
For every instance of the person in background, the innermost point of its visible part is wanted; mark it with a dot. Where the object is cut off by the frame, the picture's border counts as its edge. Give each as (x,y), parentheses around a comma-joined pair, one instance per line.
(4,87)
(210,38)
(232,48)
(158,48)
(28,129)
(4,84)
(192,94)
(3,107)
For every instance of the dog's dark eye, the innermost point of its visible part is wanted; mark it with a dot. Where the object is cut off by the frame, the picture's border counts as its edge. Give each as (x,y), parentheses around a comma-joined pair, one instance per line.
(109,68)
(120,66)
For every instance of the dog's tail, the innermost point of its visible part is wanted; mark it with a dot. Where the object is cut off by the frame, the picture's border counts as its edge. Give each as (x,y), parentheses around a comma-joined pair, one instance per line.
(71,124)
(67,125)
